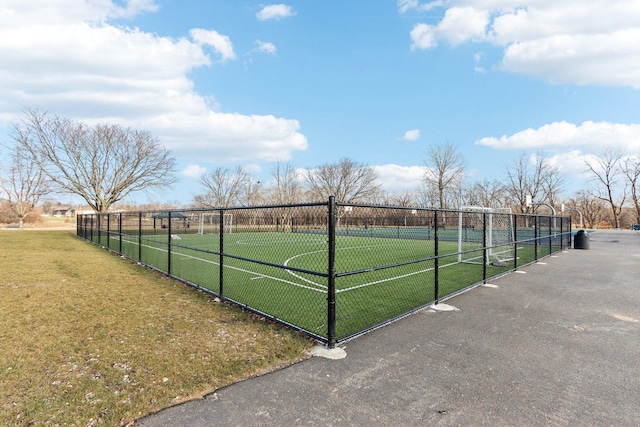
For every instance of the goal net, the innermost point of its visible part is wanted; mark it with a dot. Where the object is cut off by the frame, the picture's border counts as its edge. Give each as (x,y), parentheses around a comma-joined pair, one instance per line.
(496,235)
(210,223)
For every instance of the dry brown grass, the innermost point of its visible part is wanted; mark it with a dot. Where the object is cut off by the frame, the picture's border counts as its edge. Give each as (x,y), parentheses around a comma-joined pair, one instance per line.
(87,338)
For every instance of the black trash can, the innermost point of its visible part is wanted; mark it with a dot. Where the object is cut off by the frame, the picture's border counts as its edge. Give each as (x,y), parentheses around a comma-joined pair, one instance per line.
(581,240)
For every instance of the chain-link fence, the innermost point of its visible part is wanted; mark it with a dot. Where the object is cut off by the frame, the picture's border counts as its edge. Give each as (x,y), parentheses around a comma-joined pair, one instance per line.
(330,270)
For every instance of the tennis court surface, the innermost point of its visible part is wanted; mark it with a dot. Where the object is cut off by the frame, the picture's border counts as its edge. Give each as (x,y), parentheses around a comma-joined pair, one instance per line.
(556,343)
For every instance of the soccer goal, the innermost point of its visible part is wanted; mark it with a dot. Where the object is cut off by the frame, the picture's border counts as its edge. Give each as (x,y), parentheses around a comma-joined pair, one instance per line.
(497,234)
(210,223)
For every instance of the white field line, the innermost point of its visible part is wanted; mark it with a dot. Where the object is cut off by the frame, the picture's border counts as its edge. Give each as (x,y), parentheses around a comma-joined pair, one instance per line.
(281,242)
(286,263)
(318,285)
(297,276)
(393,278)
(258,275)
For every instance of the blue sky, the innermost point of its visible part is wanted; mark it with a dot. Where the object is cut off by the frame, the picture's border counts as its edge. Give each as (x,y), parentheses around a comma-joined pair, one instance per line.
(223,83)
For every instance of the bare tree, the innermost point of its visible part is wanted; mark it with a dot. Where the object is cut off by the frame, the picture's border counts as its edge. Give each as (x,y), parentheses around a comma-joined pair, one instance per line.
(404,199)
(24,184)
(631,170)
(287,188)
(427,195)
(224,187)
(606,173)
(551,180)
(102,164)
(254,193)
(488,193)
(593,210)
(348,181)
(445,171)
(519,183)
(542,181)
(382,198)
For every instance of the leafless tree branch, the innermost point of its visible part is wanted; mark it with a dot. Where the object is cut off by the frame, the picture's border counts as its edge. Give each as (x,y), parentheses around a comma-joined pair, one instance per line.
(445,171)
(23,184)
(346,180)
(102,164)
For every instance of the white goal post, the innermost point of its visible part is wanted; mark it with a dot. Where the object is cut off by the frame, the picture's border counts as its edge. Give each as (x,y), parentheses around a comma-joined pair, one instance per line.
(499,235)
(209,222)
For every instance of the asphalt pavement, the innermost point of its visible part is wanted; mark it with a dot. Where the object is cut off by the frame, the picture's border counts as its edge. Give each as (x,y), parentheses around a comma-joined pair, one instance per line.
(556,343)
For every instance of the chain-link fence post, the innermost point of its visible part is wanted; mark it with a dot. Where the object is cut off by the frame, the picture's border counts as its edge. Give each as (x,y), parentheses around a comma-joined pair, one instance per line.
(550,237)
(331,285)
(436,272)
(120,233)
(99,229)
(169,244)
(536,236)
(515,244)
(139,236)
(221,257)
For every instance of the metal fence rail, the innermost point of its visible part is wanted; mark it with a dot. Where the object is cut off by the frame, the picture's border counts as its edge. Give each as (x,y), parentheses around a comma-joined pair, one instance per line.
(330,270)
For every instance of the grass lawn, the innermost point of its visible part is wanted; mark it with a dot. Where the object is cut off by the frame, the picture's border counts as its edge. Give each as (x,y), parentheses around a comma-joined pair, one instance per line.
(88,338)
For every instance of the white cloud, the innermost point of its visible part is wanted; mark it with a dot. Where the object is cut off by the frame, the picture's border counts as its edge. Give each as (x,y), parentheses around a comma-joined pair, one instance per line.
(63,56)
(216,137)
(559,136)
(423,37)
(602,59)
(411,135)
(406,5)
(477,58)
(265,47)
(194,171)
(275,11)
(396,178)
(568,147)
(252,168)
(132,8)
(460,24)
(70,11)
(221,43)
(570,41)
(571,162)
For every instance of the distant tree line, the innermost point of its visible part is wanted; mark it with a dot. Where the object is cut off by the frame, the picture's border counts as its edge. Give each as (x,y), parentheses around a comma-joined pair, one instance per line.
(104,163)
(611,200)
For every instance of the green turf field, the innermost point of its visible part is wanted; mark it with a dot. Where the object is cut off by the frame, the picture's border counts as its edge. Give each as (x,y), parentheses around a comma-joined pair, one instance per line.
(286,274)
